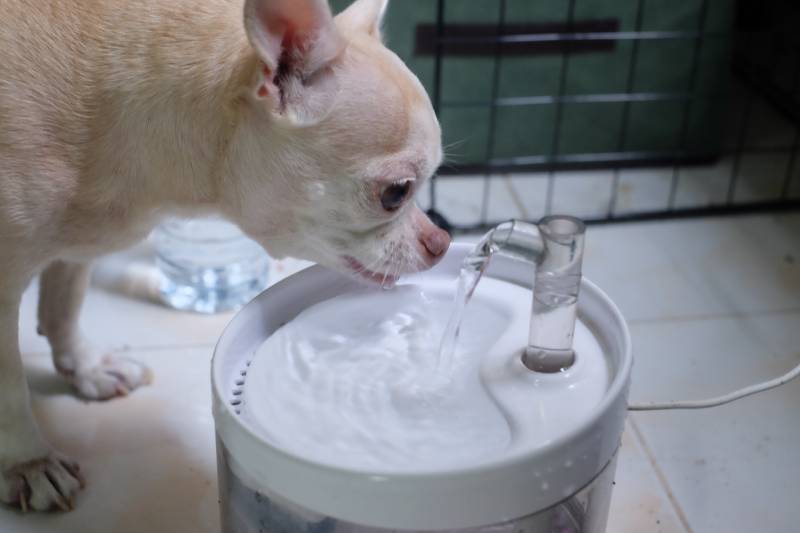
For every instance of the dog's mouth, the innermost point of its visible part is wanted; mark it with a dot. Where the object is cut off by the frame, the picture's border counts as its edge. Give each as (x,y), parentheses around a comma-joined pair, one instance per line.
(382,279)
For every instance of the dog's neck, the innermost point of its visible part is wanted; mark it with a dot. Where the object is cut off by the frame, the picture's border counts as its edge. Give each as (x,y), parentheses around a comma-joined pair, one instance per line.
(178,103)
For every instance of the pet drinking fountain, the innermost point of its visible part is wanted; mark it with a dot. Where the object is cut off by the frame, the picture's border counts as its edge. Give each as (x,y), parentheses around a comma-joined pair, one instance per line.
(555,374)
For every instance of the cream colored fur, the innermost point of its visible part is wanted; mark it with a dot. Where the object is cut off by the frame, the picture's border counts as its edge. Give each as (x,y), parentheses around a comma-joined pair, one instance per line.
(116,112)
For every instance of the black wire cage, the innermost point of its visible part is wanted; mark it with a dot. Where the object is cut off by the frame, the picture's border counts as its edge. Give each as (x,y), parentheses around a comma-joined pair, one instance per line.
(642,109)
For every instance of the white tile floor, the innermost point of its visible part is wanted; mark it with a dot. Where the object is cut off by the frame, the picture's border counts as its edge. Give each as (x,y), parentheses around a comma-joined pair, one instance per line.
(713,304)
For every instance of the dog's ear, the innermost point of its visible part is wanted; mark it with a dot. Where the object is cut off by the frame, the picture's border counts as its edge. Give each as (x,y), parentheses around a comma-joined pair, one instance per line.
(295,40)
(300,30)
(365,16)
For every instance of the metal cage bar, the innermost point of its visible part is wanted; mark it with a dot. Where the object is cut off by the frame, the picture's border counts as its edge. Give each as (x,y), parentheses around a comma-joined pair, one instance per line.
(559,111)
(757,77)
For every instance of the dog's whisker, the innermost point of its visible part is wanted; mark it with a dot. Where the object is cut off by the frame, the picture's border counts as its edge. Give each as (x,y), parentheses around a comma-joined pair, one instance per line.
(388,264)
(446,149)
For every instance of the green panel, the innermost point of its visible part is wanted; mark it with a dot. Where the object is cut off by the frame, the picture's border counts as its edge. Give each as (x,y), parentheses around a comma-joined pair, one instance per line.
(713,69)
(467,79)
(523,131)
(536,11)
(654,126)
(470,11)
(622,10)
(590,128)
(599,72)
(705,132)
(672,15)
(465,134)
(662,66)
(521,76)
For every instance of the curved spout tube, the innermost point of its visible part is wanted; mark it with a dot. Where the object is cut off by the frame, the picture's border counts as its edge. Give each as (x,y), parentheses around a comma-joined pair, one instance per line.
(555,246)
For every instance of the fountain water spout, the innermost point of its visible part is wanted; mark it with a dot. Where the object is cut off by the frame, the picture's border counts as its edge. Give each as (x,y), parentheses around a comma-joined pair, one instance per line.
(555,246)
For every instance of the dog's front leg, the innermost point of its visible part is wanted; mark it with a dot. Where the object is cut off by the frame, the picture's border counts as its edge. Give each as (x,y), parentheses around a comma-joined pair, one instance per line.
(62,288)
(32,474)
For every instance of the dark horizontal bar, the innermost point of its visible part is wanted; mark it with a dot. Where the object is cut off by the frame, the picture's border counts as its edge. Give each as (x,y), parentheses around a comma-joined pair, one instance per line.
(545,163)
(485,39)
(618,158)
(674,214)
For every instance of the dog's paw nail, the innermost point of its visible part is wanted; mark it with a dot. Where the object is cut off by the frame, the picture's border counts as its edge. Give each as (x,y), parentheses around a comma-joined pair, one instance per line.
(62,504)
(74,470)
(41,484)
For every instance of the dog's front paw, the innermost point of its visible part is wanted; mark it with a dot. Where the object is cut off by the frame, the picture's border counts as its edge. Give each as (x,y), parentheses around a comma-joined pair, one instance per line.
(111,377)
(42,484)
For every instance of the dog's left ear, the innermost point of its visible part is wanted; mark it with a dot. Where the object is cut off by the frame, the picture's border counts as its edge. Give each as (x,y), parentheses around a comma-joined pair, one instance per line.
(364,16)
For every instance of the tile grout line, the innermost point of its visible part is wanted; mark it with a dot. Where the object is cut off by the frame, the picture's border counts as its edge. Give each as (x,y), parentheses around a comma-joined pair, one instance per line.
(662,479)
(518,203)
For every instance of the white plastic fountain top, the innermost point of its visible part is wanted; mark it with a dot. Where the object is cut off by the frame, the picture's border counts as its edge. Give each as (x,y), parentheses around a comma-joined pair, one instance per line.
(354,382)
(538,447)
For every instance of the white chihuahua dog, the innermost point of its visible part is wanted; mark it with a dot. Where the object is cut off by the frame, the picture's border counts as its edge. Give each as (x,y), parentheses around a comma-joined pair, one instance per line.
(300,127)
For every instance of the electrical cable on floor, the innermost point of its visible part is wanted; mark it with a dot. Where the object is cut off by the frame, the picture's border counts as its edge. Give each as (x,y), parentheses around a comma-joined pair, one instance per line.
(719,400)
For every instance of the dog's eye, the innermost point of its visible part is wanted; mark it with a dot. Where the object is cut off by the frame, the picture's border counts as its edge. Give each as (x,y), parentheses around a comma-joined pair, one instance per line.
(395,195)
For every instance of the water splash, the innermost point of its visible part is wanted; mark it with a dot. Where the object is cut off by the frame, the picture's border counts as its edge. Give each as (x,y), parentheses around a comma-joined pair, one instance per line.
(472,269)
(555,246)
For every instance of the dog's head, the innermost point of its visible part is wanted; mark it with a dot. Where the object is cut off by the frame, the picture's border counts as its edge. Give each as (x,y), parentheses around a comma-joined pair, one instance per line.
(336,137)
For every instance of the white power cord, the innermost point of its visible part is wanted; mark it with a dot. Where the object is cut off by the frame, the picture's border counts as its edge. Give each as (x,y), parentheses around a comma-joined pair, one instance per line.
(719,400)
